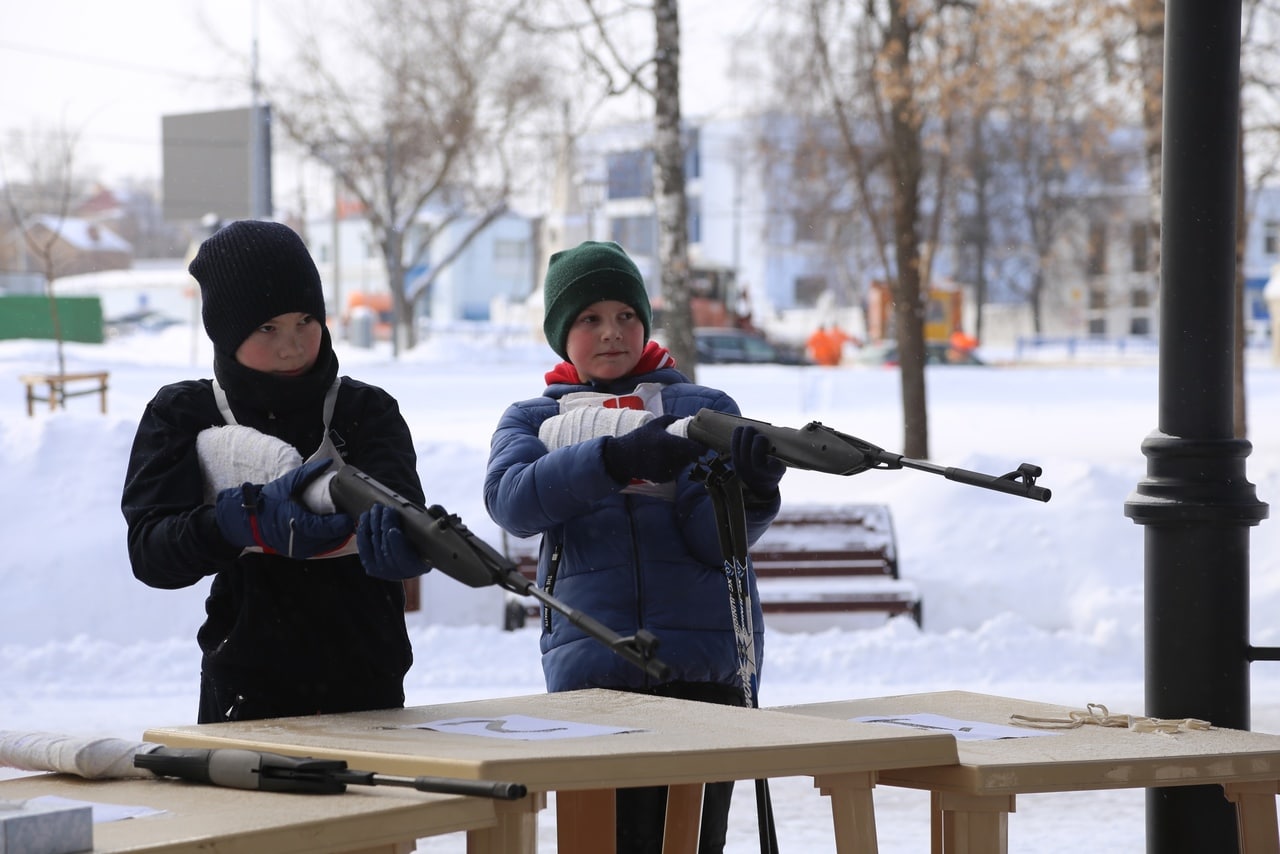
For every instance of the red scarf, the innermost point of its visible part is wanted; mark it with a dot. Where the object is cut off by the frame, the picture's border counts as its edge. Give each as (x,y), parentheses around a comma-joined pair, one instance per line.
(653,357)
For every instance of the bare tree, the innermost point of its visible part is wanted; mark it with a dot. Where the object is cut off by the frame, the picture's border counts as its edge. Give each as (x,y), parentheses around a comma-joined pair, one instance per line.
(889,74)
(420,109)
(653,71)
(39,209)
(669,186)
(1057,115)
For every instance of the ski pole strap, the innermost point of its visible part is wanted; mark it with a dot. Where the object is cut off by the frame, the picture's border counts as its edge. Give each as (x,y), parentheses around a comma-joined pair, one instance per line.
(725,491)
(730,507)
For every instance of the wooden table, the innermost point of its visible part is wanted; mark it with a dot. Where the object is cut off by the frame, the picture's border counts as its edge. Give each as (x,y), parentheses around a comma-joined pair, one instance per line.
(58,393)
(198,818)
(972,800)
(682,744)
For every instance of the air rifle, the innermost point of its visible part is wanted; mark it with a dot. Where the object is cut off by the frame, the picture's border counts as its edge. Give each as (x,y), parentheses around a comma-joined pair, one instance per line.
(443,541)
(816,447)
(273,772)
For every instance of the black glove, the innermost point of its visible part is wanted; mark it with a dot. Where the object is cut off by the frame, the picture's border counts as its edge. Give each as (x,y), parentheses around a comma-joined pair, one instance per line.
(384,549)
(274,518)
(759,472)
(649,452)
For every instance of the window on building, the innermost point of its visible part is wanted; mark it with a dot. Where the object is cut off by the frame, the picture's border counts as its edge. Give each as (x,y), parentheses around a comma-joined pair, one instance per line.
(630,174)
(636,234)
(1271,237)
(1098,326)
(692,154)
(809,289)
(1097,249)
(1097,299)
(510,250)
(1140,246)
(1140,322)
(695,219)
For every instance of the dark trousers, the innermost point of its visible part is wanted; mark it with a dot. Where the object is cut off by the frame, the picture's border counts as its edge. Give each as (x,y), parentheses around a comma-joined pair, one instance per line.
(641,811)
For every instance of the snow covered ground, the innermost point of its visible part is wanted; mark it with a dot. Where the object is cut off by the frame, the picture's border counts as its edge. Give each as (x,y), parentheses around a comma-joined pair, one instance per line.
(1021,599)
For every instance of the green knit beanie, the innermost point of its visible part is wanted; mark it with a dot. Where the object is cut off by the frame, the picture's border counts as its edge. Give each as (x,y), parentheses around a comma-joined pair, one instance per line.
(578,277)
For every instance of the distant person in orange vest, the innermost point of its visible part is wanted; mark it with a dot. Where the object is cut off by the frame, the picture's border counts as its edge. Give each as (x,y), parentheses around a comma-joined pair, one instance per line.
(961,346)
(824,346)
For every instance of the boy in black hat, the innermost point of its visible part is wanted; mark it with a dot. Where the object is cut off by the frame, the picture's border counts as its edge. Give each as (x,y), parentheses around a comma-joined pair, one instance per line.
(228,478)
(599,467)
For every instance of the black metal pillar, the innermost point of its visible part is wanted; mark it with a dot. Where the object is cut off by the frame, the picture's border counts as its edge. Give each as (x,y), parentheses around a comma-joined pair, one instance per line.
(1195,502)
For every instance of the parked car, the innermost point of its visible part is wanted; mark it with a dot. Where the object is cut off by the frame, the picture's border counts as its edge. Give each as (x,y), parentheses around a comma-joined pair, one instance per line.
(728,345)
(886,353)
(139,321)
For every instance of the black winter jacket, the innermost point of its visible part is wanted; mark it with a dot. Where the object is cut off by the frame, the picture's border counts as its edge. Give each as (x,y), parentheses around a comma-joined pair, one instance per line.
(281,637)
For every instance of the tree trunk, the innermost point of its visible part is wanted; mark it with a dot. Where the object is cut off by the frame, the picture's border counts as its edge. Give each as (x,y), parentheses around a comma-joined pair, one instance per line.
(668,188)
(402,312)
(908,168)
(1148,18)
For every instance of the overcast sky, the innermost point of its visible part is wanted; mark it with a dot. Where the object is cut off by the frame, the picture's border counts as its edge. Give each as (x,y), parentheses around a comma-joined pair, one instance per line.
(110,71)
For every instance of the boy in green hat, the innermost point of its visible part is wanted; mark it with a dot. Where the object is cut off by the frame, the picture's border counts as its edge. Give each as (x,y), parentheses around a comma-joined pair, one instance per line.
(599,466)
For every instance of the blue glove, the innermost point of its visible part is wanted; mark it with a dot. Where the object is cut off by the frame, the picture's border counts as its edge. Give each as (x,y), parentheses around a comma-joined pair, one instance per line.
(759,472)
(384,549)
(649,452)
(274,518)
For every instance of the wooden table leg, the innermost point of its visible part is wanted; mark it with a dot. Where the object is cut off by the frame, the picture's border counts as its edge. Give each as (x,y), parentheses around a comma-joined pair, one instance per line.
(684,819)
(971,824)
(852,810)
(585,822)
(516,831)
(1256,815)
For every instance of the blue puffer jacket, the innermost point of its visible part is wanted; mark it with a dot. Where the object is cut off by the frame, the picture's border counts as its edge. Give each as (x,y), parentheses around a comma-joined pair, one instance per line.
(630,561)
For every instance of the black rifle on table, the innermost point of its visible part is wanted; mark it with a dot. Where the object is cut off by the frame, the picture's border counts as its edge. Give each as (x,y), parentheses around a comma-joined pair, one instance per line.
(444,542)
(273,772)
(820,448)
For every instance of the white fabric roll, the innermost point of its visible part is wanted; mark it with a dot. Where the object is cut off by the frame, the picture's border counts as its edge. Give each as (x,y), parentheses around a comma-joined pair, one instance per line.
(85,757)
(234,454)
(587,422)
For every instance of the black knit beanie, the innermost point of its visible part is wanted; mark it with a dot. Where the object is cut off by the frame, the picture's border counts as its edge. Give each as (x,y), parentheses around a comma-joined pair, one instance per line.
(249,272)
(586,274)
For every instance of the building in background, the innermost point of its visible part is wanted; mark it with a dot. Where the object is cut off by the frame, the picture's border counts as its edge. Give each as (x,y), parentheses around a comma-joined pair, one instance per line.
(497,265)
(1261,255)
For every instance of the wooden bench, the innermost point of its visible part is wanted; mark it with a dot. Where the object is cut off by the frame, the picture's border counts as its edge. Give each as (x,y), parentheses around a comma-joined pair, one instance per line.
(58,391)
(815,566)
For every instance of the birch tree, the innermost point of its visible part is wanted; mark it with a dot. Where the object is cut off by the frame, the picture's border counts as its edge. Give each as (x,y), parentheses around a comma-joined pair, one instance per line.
(617,66)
